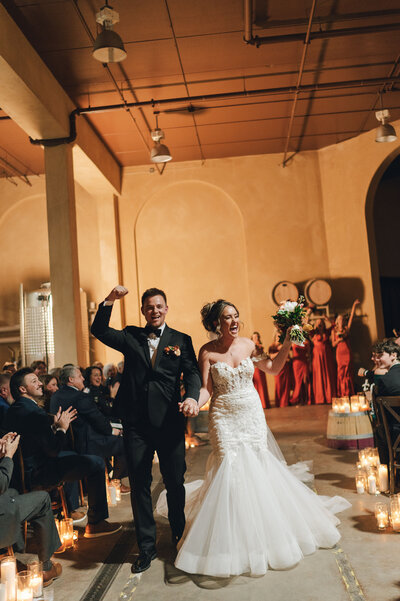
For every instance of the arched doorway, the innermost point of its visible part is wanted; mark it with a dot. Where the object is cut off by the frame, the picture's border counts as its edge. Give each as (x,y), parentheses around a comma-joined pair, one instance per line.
(383,224)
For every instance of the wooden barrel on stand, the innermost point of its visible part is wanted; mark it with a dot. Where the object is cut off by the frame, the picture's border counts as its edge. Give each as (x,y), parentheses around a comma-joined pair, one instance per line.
(317,292)
(284,291)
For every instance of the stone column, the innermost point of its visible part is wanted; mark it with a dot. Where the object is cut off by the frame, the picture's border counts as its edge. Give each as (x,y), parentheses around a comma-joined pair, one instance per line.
(63,250)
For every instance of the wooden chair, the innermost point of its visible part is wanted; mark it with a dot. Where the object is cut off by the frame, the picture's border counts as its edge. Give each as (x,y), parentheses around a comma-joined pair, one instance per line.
(60,504)
(386,406)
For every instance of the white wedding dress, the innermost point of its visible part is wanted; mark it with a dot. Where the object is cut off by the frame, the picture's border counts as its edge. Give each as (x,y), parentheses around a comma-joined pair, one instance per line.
(251,512)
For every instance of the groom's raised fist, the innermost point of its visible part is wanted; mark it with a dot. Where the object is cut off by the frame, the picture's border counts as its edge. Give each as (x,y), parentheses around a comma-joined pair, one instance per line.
(117,293)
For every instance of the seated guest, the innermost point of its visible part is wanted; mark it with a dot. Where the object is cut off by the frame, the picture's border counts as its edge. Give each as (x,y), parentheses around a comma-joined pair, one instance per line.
(39,368)
(5,395)
(35,507)
(93,433)
(50,386)
(110,376)
(99,393)
(43,441)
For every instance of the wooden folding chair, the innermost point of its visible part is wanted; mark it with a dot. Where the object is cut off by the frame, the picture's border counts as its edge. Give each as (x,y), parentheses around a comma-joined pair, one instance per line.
(386,407)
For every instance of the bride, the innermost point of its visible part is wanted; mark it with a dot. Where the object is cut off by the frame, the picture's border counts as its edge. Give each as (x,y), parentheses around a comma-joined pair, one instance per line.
(251,512)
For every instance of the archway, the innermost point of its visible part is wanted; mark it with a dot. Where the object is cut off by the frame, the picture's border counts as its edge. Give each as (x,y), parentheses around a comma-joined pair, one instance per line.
(383,222)
(190,242)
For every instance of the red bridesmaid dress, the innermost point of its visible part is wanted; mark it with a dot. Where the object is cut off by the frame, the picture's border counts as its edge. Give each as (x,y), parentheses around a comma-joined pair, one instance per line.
(345,386)
(323,370)
(301,374)
(283,381)
(260,384)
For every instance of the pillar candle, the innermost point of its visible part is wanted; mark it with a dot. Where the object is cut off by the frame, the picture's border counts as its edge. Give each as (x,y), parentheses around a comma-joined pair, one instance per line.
(8,576)
(3,592)
(371,484)
(383,478)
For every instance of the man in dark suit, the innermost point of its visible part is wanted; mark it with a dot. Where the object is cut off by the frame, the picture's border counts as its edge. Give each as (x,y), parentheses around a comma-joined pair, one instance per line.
(43,438)
(149,403)
(35,507)
(5,395)
(93,433)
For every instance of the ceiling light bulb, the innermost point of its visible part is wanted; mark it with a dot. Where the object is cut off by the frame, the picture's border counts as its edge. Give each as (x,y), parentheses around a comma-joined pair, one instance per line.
(385,132)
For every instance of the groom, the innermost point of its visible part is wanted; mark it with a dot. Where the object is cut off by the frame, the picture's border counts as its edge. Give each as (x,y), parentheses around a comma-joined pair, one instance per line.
(149,404)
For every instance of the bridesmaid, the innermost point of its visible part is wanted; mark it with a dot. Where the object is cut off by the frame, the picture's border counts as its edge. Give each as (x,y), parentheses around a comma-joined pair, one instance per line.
(259,378)
(301,374)
(283,381)
(340,333)
(323,367)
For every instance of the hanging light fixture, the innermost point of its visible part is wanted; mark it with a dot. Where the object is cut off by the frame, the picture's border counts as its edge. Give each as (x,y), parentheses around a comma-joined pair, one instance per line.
(160,152)
(108,47)
(385,132)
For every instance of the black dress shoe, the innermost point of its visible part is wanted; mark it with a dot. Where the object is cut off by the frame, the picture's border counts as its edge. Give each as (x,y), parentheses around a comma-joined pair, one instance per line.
(143,562)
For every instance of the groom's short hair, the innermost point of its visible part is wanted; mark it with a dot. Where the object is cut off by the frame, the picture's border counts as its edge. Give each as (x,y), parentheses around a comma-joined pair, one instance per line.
(153,292)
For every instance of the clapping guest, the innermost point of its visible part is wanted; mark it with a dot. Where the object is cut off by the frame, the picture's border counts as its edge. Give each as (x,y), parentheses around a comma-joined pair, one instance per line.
(34,507)
(99,393)
(5,395)
(93,433)
(340,341)
(323,367)
(45,460)
(259,378)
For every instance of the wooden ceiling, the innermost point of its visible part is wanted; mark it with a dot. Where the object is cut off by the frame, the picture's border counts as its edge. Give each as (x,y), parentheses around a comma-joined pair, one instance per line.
(180,49)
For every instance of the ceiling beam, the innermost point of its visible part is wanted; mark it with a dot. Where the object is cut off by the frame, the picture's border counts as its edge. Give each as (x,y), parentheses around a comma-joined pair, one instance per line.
(33,98)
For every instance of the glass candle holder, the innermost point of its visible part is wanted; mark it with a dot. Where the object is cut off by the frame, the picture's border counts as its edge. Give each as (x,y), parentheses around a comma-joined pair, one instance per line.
(35,568)
(361,483)
(8,576)
(382,515)
(117,485)
(111,495)
(335,404)
(372,481)
(67,533)
(355,404)
(345,404)
(24,588)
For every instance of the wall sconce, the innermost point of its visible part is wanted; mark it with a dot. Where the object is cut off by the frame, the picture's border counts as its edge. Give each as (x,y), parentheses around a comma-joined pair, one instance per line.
(108,47)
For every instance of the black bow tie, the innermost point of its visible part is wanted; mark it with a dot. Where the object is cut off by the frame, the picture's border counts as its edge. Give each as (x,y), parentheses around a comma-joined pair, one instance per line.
(152,330)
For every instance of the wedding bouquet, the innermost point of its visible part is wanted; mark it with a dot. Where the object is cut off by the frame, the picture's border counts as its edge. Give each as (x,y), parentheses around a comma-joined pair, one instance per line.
(292,314)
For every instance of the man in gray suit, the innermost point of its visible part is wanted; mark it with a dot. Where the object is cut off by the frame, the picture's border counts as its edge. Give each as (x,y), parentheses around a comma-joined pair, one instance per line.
(35,507)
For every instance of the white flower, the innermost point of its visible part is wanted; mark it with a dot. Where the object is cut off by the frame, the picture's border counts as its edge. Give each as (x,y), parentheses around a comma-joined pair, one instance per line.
(288,306)
(296,327)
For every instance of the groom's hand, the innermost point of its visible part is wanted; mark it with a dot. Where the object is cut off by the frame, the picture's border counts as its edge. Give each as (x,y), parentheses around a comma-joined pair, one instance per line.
(189,408)
(117,293)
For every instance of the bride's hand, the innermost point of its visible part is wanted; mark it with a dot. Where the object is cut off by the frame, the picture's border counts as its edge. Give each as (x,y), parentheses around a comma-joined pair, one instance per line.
(189,408)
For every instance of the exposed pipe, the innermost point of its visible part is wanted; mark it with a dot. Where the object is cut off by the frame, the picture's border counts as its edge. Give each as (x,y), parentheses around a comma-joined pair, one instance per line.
(58,141)
(319,87)
(299,78)
(315,35)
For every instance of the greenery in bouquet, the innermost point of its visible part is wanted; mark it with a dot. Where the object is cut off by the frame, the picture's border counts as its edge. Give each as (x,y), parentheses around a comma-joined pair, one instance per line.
(292,314)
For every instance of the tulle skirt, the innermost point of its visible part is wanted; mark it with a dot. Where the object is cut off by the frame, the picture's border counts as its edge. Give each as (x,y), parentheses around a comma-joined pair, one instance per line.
(252,513)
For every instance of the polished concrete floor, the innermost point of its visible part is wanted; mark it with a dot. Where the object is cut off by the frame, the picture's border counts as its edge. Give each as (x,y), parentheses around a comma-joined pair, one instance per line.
(364,565)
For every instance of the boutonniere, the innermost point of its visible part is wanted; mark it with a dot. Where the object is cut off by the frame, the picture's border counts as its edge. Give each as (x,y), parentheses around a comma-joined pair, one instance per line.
(173,350)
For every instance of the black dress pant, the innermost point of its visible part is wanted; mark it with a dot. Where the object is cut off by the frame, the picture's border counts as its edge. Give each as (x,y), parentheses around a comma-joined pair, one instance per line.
(69,467)
(35,507)
(140,443)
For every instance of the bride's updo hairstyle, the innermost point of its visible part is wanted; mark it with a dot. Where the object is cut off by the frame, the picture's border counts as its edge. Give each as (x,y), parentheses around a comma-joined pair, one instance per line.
(211,315)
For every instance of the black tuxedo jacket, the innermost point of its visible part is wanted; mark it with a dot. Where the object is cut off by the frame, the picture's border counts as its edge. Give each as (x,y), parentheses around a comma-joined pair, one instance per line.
(146,392)
(389,384)
(90,427)
(38,440)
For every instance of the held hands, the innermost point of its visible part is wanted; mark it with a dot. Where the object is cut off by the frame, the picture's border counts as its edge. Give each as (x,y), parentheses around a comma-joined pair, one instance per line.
(117,293)
(63,418)
(9,444)
(189,408)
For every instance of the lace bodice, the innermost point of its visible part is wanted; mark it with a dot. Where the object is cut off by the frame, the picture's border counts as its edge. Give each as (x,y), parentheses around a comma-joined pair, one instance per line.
(227,379)
(236,414)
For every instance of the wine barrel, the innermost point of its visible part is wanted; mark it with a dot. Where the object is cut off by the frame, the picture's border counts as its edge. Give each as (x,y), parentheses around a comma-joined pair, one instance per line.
(284,291)
(317,292)
(349,430)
